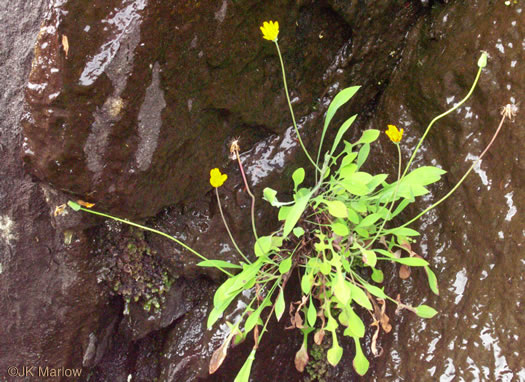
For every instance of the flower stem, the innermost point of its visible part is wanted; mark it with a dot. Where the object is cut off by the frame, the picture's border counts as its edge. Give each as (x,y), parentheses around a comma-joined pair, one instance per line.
(291,108)
(441,116)
(392,201)
(154,231)
(249,192)
(462,178)
(228,228)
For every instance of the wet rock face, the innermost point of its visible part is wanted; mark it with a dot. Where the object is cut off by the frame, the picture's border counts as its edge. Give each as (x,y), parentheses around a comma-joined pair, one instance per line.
(475,240)
(130,103)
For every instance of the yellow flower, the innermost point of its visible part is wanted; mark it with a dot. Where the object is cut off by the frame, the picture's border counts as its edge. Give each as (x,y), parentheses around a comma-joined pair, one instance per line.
(394,134)
(216,178)
(270,30)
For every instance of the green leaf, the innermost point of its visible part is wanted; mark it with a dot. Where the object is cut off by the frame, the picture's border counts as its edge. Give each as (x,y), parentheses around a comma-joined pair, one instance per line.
(369,220)
(218,263)
(360,177)
(353,216)
(375,291)
(404,231)
(244,373)
(306,283)
(359,296)
(377,275)
(424,175)
(253,319)
(295,214)
(360,363)
(369,257)
(359,206)
(432,280)
(342,130)
(348,159)
(218,310)
(279,305)
(341,288)
(262,246)
(74,206)
(285,265)
(340,228)
(347,171)
(425,311)
(363,232)
(368,136)
(298,232)
(269,195)
(339,100)
(311,314)
(325,267)
(400,207)
(355,188)
(410,261)
(336,208)
(298,177)
(283,212)
(234,285)
(363,154)
(376,181)
(356,327)
(334,354)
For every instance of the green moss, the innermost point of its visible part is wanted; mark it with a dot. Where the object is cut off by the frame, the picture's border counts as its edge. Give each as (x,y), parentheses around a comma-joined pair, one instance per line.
(132,269)
(318,369)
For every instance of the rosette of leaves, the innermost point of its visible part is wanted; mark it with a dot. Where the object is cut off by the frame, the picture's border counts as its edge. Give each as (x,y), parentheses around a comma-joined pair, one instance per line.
(334,233)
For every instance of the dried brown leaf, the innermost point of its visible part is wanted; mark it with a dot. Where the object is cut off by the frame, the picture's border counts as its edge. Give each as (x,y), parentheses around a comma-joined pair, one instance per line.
(65,44)
(404,272)
(397,254)
(384,320)
(298,320)
(301,359)
(373,346)
(85,204)
(219,355)
(59,210)
(407,246)
(318,336)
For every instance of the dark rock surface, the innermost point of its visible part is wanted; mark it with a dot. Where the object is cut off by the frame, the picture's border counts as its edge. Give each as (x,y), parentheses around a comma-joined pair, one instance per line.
(474,240)
(143,104)
(50,301)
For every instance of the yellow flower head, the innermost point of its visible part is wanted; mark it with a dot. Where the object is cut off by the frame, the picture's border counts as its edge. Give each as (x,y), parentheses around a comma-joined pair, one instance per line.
(216,178)
(270,30)
(394,134)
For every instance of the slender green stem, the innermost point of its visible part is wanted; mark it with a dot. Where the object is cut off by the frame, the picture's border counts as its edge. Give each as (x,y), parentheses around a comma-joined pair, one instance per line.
(291,108)
(474,164)
(268,318)
(154,231)
(399,158)
(228,228)
(441,116)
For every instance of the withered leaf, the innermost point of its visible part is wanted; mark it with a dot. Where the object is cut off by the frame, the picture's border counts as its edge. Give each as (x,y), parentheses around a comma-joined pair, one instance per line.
(59,210)
(301,359)
(65,44)
(384,320)
(298,320)
(318,336)
(404,272)
(85,204)
(219,355)
(373,346)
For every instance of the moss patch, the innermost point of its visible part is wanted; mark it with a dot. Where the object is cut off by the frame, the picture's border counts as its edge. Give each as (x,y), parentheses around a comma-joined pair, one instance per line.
(131,268)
